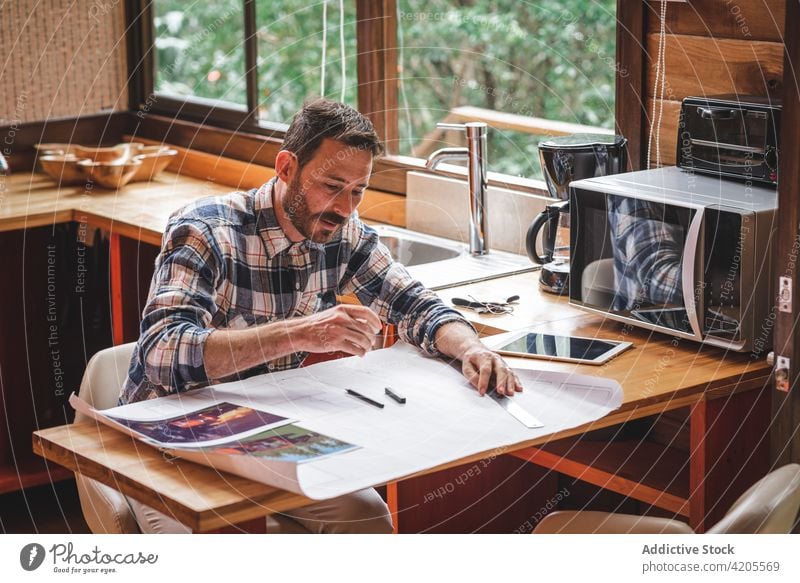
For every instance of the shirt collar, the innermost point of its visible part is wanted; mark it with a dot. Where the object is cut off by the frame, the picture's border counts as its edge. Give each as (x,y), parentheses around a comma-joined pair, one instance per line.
(275,240)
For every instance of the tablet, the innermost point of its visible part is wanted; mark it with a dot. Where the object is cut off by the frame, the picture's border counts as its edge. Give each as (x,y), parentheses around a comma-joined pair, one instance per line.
(566,348)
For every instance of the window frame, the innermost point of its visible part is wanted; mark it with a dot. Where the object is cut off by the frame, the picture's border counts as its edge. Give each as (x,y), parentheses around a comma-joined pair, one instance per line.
(377,53)
(372,23)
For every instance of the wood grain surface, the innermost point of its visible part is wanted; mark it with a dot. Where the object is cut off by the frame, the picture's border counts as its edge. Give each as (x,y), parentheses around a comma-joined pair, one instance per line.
(697,65)
(199,497)
(658,374)
(748,20)
(140,210)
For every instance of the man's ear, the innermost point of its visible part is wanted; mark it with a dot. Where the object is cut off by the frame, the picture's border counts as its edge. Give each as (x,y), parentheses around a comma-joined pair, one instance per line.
(286,166)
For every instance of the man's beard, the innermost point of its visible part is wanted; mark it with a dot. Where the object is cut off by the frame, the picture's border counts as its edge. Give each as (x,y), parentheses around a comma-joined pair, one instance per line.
(296,208)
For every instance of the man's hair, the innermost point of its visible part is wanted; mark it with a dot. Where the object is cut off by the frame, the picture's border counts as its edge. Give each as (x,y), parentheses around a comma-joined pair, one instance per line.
(323,118)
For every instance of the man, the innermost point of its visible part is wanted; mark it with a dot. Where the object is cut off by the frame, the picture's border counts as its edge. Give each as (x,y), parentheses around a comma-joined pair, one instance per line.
(246,284)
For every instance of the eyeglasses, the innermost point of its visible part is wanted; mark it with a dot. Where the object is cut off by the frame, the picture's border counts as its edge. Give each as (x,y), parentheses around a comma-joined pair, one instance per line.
(482,307)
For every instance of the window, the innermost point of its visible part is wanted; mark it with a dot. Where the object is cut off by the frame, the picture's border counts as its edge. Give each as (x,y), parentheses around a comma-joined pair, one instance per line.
(201,55)
(291,34)
(199,50)
(519,66)
(529,69)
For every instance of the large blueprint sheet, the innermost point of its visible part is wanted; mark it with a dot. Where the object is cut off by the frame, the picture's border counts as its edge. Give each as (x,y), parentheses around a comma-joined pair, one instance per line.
(444,419)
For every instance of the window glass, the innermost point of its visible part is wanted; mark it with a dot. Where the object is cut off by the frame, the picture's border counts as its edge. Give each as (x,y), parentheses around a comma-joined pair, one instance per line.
(199,49)
(291,37)
(510,63)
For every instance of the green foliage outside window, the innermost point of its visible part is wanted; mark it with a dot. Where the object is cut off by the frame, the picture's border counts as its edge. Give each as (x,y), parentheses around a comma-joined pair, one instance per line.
(199,49)
(551,60)
(289,55)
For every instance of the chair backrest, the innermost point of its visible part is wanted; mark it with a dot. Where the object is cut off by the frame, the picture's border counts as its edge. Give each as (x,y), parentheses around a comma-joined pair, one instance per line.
(105,509)
(770,506)
(104,376)
(598,286)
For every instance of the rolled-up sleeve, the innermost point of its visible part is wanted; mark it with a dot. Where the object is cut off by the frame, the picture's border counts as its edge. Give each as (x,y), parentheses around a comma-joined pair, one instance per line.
(387,288)
(176,319)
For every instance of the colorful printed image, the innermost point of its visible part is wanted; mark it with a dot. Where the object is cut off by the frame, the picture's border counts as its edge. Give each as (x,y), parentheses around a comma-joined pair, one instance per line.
(219,421)
(288,443)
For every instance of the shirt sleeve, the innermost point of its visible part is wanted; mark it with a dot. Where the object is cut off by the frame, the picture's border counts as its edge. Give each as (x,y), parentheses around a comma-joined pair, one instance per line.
(647,254)
(387,288)
(181,304)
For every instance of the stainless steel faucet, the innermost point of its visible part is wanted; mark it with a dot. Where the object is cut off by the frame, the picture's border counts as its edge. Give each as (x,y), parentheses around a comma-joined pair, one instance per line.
(475,154)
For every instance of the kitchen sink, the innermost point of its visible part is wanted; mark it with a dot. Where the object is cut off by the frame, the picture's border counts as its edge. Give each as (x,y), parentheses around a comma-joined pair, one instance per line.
(410,251)
(441,263)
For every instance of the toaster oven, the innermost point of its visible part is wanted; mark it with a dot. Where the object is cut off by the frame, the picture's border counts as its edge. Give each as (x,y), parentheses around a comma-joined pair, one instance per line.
(731,136)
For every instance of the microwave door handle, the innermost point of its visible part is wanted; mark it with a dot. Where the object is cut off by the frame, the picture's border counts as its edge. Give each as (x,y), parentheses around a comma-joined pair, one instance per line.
(715,113)
(688,271)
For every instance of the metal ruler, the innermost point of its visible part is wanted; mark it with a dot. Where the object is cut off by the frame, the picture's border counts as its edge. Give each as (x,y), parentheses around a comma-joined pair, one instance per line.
(516,411)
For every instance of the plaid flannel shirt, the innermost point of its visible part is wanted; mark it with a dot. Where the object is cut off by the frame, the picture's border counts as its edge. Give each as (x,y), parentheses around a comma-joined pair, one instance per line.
(226,263)
(647,254)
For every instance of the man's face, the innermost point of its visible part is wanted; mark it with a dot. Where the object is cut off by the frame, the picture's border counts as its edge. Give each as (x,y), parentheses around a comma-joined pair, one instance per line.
(322,196)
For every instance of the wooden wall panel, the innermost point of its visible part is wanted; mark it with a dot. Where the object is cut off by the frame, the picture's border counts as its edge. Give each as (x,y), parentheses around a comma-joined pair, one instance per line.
(697,65)
(668,136)
(748,20)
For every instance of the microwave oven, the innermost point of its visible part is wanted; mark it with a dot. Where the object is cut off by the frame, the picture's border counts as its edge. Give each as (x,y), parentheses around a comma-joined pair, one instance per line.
(676,252)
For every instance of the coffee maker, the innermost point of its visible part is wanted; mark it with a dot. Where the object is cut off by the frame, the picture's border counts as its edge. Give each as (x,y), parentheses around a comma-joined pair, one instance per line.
(564,159)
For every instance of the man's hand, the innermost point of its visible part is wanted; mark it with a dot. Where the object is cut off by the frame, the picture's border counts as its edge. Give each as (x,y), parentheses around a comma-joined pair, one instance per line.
(346,328)
(486,370)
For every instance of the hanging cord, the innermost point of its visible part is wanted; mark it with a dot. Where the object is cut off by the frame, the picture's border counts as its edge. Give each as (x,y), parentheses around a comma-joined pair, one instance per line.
(658,95)
(341,49)
(405,111)
(324,48)
(663,50)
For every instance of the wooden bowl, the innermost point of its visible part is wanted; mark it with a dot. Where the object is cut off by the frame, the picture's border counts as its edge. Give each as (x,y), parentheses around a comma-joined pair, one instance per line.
(142,149)
(111,175)
(64,168)
(110,154)
(153,162)
(54,149)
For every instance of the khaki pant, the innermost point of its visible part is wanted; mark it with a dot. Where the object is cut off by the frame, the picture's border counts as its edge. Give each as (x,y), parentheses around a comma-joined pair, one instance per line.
(361,512)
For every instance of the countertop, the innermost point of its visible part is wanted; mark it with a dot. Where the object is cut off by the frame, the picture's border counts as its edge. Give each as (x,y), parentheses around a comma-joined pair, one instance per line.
(139,210)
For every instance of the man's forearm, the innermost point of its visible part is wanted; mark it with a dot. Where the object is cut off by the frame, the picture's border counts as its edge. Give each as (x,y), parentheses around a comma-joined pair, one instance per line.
(227,352)
(349,329)
(455,338)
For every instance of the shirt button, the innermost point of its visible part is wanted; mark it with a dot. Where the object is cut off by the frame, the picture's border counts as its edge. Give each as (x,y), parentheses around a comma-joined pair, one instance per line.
(297,285)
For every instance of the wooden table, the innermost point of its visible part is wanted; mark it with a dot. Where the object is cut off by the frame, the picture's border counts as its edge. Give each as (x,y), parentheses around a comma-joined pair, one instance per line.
(658,375)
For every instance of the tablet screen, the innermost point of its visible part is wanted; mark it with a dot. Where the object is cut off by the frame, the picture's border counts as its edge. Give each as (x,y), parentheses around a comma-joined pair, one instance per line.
(551,346)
